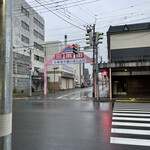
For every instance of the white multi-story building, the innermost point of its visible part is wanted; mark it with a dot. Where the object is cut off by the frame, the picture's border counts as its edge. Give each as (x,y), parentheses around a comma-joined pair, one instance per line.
(28,40)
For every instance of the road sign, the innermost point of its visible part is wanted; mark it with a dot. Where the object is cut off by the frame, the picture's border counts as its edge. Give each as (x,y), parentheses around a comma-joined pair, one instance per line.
(69,61)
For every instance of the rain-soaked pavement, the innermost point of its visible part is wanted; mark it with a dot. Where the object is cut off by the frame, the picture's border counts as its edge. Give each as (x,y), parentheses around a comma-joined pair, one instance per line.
(65,121)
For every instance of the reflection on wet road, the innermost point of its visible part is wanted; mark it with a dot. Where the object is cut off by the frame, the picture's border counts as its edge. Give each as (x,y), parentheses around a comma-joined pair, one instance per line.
(65,125)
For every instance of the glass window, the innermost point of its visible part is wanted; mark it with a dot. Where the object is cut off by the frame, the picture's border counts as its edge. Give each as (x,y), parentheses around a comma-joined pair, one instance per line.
(38,23)
(24,25)
(24,11)
(38,35)
(24,39)
(37,46)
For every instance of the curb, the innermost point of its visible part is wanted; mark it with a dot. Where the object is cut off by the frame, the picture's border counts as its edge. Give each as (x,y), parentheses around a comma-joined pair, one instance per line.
(20,98)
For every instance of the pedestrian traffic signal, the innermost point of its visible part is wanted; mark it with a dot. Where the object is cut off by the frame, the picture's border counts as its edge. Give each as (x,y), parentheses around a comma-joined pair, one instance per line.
(105,73)
(89,38)
(27,75)
(98,38)
(75,49)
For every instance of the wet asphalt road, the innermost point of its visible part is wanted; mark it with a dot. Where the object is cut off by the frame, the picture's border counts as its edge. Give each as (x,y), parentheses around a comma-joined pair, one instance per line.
(64,122)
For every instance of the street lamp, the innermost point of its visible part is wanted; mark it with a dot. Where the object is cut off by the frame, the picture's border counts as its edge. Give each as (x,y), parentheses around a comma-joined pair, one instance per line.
(54,76)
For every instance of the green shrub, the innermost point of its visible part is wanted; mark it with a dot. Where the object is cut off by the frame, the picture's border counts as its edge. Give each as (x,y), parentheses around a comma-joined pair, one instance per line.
(15,90)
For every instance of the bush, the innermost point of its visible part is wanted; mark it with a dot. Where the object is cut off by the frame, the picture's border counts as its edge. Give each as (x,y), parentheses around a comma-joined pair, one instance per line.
(15,90)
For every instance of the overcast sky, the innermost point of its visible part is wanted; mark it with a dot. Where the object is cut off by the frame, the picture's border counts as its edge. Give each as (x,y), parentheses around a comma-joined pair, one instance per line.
(81,13)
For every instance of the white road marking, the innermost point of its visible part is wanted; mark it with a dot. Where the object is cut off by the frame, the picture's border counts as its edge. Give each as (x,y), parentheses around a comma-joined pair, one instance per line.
(133,119)
(129,141)
(121,114)
(133,111)
(130,131)
(131,124)
(128,109)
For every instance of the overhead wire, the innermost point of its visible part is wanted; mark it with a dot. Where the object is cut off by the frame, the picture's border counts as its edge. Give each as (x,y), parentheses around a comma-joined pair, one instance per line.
(124,8)
(58,15)
(68,4)
(55,42)
(74,17)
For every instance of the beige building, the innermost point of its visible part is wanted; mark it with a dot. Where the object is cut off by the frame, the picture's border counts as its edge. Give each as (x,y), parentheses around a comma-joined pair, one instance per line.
(66,75)
(129,60)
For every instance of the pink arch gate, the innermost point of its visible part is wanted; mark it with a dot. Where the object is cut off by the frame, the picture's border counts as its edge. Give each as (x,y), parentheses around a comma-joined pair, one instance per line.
(65,56)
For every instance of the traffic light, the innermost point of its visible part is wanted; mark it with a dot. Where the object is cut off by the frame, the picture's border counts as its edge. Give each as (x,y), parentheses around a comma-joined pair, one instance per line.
(75,49)
(89,38)
(28,76)
(98,38)
(105,73)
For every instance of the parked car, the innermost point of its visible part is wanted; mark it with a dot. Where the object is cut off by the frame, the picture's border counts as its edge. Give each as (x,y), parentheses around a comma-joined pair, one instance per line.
(78,85)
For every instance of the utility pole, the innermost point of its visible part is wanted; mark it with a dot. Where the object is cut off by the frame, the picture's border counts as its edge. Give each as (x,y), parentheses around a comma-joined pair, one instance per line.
(6,62)
(30,84)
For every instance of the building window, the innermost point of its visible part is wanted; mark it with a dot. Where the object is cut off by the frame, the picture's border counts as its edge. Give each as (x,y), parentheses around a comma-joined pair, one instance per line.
(24,39)
(38,35)
(37,46)
(24,25)
(38,23)
(24,11)
(38,58)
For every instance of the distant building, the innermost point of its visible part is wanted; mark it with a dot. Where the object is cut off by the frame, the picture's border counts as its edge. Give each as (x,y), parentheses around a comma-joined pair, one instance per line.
(28,36)
(129,60)
(86,76)
(65,75)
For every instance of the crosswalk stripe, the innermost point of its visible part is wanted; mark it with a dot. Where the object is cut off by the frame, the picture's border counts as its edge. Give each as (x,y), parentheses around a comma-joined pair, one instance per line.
(127,109)
(131,111)
(133,119)
(59,97)
(129,141)
(121,114)
(131,124)
(130,131)
(122,121)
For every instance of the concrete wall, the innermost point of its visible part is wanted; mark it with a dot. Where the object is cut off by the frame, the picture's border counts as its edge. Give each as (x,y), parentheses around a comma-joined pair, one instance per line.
(130,46)
(130,40)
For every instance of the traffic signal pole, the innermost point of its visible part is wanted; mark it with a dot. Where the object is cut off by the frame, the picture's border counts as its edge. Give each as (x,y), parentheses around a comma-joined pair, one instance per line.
(6,57)
(97,72)
(94,39)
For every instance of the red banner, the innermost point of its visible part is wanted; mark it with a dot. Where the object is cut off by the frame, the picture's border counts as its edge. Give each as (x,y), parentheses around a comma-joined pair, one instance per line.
(79,55)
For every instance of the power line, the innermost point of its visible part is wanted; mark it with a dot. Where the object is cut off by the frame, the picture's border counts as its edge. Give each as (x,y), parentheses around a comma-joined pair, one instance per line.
(55,42)
(60,16)
(125,8)
(75,18)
